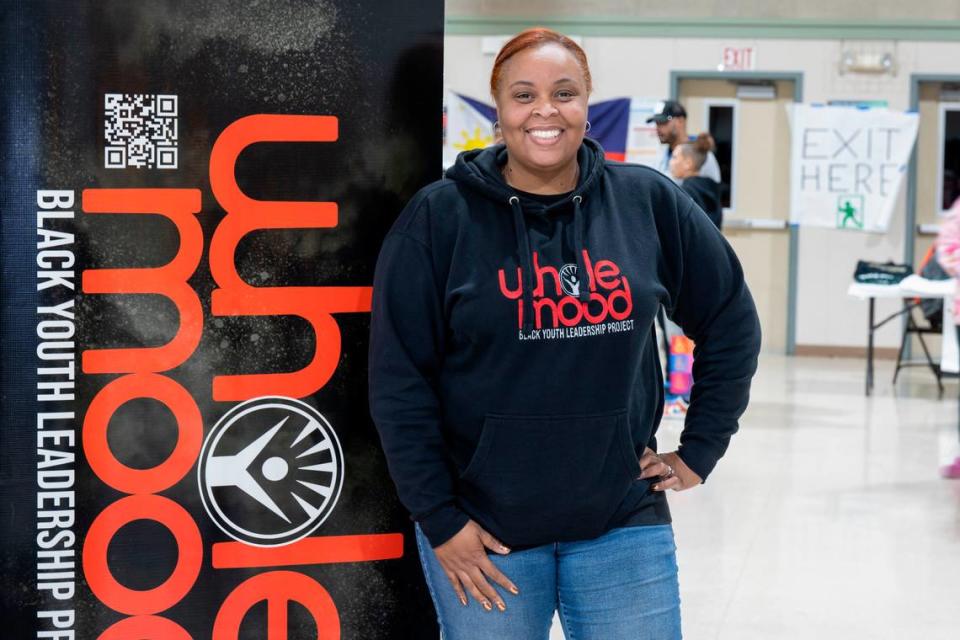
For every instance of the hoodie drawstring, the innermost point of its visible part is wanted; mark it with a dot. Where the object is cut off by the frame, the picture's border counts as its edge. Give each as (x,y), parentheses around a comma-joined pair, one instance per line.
(526,260)
(526,257)
(578,231)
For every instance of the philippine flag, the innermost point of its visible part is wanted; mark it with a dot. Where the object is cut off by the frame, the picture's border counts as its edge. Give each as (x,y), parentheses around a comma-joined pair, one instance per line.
(469,125)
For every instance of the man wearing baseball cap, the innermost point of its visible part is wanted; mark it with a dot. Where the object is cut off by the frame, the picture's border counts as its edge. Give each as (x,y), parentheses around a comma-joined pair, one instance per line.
(671,120)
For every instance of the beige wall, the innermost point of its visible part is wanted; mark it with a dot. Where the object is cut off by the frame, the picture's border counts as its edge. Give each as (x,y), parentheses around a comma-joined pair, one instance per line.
(641,67)
(757,9)
(928,143)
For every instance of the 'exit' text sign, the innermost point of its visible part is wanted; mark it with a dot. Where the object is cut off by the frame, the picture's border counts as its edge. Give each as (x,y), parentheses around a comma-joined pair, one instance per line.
(738,59)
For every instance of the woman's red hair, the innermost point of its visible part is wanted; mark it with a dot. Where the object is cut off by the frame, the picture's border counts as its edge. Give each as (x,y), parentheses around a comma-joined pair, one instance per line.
(537,37)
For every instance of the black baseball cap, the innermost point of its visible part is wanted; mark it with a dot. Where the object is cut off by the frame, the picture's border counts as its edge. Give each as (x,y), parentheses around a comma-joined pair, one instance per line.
(667,110)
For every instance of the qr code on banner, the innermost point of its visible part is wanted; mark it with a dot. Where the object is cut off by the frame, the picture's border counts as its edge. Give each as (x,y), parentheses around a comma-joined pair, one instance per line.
(140,131)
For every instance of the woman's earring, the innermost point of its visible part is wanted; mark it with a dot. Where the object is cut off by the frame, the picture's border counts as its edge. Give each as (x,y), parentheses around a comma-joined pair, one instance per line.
(587,130)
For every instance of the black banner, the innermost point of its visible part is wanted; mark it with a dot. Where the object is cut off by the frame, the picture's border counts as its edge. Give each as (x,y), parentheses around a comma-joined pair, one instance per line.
(193,198)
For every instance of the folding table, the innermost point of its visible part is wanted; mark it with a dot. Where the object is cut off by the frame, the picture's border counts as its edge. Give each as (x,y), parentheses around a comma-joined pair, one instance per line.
(909,288)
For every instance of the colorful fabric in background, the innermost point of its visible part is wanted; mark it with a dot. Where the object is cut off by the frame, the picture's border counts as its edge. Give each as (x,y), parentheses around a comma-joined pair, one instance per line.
(948,251)
(681,366)
(469,125)
(679,377)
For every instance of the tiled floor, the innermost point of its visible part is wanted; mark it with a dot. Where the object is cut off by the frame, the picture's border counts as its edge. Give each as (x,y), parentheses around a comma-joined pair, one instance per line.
(826,519)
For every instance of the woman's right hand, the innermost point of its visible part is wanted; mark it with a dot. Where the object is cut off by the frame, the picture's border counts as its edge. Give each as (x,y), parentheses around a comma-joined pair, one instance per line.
(467,566)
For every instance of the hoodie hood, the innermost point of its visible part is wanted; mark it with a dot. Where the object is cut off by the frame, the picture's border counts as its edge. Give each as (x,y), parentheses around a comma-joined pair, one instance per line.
(479,170)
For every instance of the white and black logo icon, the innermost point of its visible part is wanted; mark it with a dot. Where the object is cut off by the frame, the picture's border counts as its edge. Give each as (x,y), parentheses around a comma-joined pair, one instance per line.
(569,280)
(270,471)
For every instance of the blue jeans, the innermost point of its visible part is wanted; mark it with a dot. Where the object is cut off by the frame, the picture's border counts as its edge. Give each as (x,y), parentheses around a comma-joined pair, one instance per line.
(622,585)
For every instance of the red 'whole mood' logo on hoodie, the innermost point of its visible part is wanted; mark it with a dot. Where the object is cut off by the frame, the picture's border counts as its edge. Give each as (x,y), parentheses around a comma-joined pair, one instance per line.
(556,295)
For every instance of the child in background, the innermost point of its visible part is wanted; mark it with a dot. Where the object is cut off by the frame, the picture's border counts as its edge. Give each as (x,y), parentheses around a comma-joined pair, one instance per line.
(685,165)
(948,255)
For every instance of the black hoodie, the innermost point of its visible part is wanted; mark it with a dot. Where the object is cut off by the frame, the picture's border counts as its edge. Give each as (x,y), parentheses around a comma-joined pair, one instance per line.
(706,193)
(509,388)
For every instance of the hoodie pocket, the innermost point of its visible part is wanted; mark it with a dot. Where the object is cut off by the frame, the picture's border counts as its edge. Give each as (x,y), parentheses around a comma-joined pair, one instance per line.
(539,479)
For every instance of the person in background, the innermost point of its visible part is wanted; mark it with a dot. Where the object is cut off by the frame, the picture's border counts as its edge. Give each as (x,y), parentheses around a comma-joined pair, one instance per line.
(671,120)
(948,255)
(513,374)
(685,164)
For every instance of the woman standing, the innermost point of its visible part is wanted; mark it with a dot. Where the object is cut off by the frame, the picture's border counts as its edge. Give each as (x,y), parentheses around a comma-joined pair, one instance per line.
(514,374)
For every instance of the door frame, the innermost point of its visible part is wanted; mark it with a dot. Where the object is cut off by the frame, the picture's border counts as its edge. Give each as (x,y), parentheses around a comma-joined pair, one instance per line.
(797,78)
(728,102)
(910,233)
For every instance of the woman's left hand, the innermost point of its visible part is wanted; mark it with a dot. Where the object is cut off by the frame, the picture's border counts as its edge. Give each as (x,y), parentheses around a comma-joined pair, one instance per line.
(673,473)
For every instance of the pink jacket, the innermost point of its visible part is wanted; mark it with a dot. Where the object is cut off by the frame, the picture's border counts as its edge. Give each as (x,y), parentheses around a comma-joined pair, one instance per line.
(948,251)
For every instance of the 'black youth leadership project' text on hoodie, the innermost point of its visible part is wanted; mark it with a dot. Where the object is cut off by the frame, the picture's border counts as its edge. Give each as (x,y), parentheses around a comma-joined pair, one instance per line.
(514,372)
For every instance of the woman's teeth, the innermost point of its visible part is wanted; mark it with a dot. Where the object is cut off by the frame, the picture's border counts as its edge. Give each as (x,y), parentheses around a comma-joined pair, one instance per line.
(545,134)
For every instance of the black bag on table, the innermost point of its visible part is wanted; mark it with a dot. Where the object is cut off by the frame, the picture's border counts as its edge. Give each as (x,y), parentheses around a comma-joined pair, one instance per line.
(888,273)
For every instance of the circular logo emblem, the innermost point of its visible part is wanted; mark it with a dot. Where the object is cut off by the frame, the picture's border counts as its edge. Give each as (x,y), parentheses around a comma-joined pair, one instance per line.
(569,281)
(270,471)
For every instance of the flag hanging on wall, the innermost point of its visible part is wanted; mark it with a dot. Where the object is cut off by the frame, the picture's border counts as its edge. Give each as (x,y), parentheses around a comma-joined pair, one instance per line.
(469,125)
(608,126)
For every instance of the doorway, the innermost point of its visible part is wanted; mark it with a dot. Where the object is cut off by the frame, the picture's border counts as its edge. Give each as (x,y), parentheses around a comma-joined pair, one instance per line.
(935,170)
(747,113)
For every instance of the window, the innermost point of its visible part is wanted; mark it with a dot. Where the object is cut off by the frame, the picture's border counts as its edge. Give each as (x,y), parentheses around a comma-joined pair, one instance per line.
(721,122)
(948,179)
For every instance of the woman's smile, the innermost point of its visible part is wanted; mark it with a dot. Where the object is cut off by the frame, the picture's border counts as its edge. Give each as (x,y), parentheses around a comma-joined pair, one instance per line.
(545,136)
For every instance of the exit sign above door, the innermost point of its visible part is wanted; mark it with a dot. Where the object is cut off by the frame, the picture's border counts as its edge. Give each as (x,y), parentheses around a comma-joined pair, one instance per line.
(738,59)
